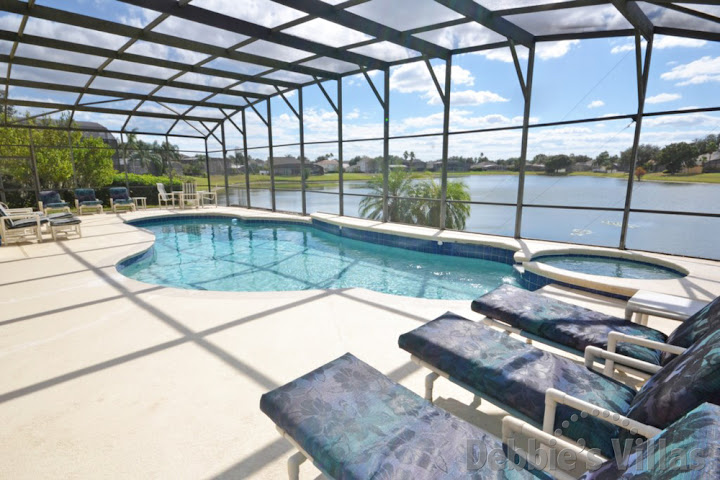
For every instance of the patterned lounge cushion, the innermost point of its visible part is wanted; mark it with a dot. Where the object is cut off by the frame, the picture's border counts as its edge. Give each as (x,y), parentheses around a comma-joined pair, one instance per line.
(23,223)
(693,441)
(51,198)
(84,195)
(563,323)
(356,423)
(118,193)
(515,374)
(695,327)
(691,378)
(59,222)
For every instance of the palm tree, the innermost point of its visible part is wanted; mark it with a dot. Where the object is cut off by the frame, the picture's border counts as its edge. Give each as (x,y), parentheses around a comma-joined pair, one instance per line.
(455,213)
(425,210)
(399,185)
(168,153)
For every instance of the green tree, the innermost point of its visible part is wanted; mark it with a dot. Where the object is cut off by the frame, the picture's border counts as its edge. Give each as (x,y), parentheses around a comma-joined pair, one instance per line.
(421,205)
(678,155)
(645,154)
(93,161)
(557,162)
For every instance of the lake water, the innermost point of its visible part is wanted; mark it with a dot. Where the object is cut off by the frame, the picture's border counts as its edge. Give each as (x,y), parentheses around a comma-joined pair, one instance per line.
(694,236)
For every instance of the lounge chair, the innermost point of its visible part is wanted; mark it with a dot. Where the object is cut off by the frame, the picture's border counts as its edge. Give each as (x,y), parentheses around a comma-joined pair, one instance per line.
(164,197)
(190,195)
(21,224)
(19,227)
(354,422)
(50,200)
(119,198)
(572,328)
(530,383)
(85,198)
(65,226)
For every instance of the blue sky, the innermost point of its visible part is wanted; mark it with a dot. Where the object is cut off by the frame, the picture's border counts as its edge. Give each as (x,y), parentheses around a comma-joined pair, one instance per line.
(573,80)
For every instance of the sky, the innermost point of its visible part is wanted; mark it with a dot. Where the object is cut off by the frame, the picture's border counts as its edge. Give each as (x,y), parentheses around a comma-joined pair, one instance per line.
(573,79)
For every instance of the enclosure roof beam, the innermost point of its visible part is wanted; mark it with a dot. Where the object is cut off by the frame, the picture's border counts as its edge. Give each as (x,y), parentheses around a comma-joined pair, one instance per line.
(637,18)
(106,26)
(361,24)
(112,93)
(489,19)
(135,58)
(243,27)
(32,62)
(112,111)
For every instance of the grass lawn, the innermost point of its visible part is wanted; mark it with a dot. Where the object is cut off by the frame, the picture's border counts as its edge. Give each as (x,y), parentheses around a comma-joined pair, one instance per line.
(331,179)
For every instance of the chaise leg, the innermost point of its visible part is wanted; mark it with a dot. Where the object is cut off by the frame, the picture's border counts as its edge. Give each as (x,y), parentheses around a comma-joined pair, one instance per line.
(429,382)
(293,465)
(528,341)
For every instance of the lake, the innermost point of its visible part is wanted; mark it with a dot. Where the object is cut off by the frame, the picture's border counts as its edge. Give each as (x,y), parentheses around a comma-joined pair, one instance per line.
(693,236)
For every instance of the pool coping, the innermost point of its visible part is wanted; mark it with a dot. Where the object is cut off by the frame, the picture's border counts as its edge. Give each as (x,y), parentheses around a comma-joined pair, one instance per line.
(533,274)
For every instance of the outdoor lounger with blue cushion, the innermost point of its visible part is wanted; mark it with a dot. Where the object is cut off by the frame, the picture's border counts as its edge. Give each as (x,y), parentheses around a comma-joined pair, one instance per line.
(50,200)
(16,226)
(573,328)
(355,423)
(548,389)
(119,198)
(85,198)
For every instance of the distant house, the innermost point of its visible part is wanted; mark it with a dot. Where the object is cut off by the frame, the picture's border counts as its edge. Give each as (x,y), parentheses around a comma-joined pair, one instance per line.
(367,165)
(330,165)
(711,162)
(486,167)
(535,167)
(290,167)
(350,168)
(416,165)
(583,166)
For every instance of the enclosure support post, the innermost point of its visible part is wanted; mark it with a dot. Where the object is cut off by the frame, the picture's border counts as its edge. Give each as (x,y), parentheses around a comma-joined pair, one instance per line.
(445,140)
(72,158)
(526,87)
(301,121)
(33,163)
(225,171)
(386,144)
(125,162)
(272,159)
(642,72)
(341,189)
(247,162)
(207,165)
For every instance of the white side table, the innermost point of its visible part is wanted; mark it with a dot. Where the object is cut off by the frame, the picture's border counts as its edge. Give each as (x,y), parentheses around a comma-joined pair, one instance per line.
(645,303)
(140,202)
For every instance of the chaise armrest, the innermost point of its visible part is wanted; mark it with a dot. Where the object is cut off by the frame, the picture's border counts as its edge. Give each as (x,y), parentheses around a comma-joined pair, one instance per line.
(554,397)
(611,358)
(512,426)
(617,337)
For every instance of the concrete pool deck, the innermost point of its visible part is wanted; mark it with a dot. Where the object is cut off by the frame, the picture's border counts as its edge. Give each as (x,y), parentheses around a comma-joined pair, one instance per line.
(102,376)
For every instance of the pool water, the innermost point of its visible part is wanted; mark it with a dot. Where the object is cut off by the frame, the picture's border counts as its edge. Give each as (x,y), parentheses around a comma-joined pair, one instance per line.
(231,255)
(609,267)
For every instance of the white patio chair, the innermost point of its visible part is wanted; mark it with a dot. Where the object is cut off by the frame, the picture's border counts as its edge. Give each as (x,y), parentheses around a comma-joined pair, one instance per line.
(164,197)
(190,195)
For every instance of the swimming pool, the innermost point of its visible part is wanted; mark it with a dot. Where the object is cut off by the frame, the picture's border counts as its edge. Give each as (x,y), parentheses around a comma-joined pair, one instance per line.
(233,255)
(610,267)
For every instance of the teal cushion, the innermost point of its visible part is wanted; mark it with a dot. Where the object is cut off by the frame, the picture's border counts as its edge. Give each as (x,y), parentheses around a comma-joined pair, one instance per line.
(695,327)
(689,449)
(515,374)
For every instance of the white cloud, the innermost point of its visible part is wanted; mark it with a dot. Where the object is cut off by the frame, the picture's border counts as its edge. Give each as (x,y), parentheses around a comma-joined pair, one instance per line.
(662,42)
(596,104)
(470,97)
(663,97)
(355,114)
(543,51)
(703,70)
(415,77)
